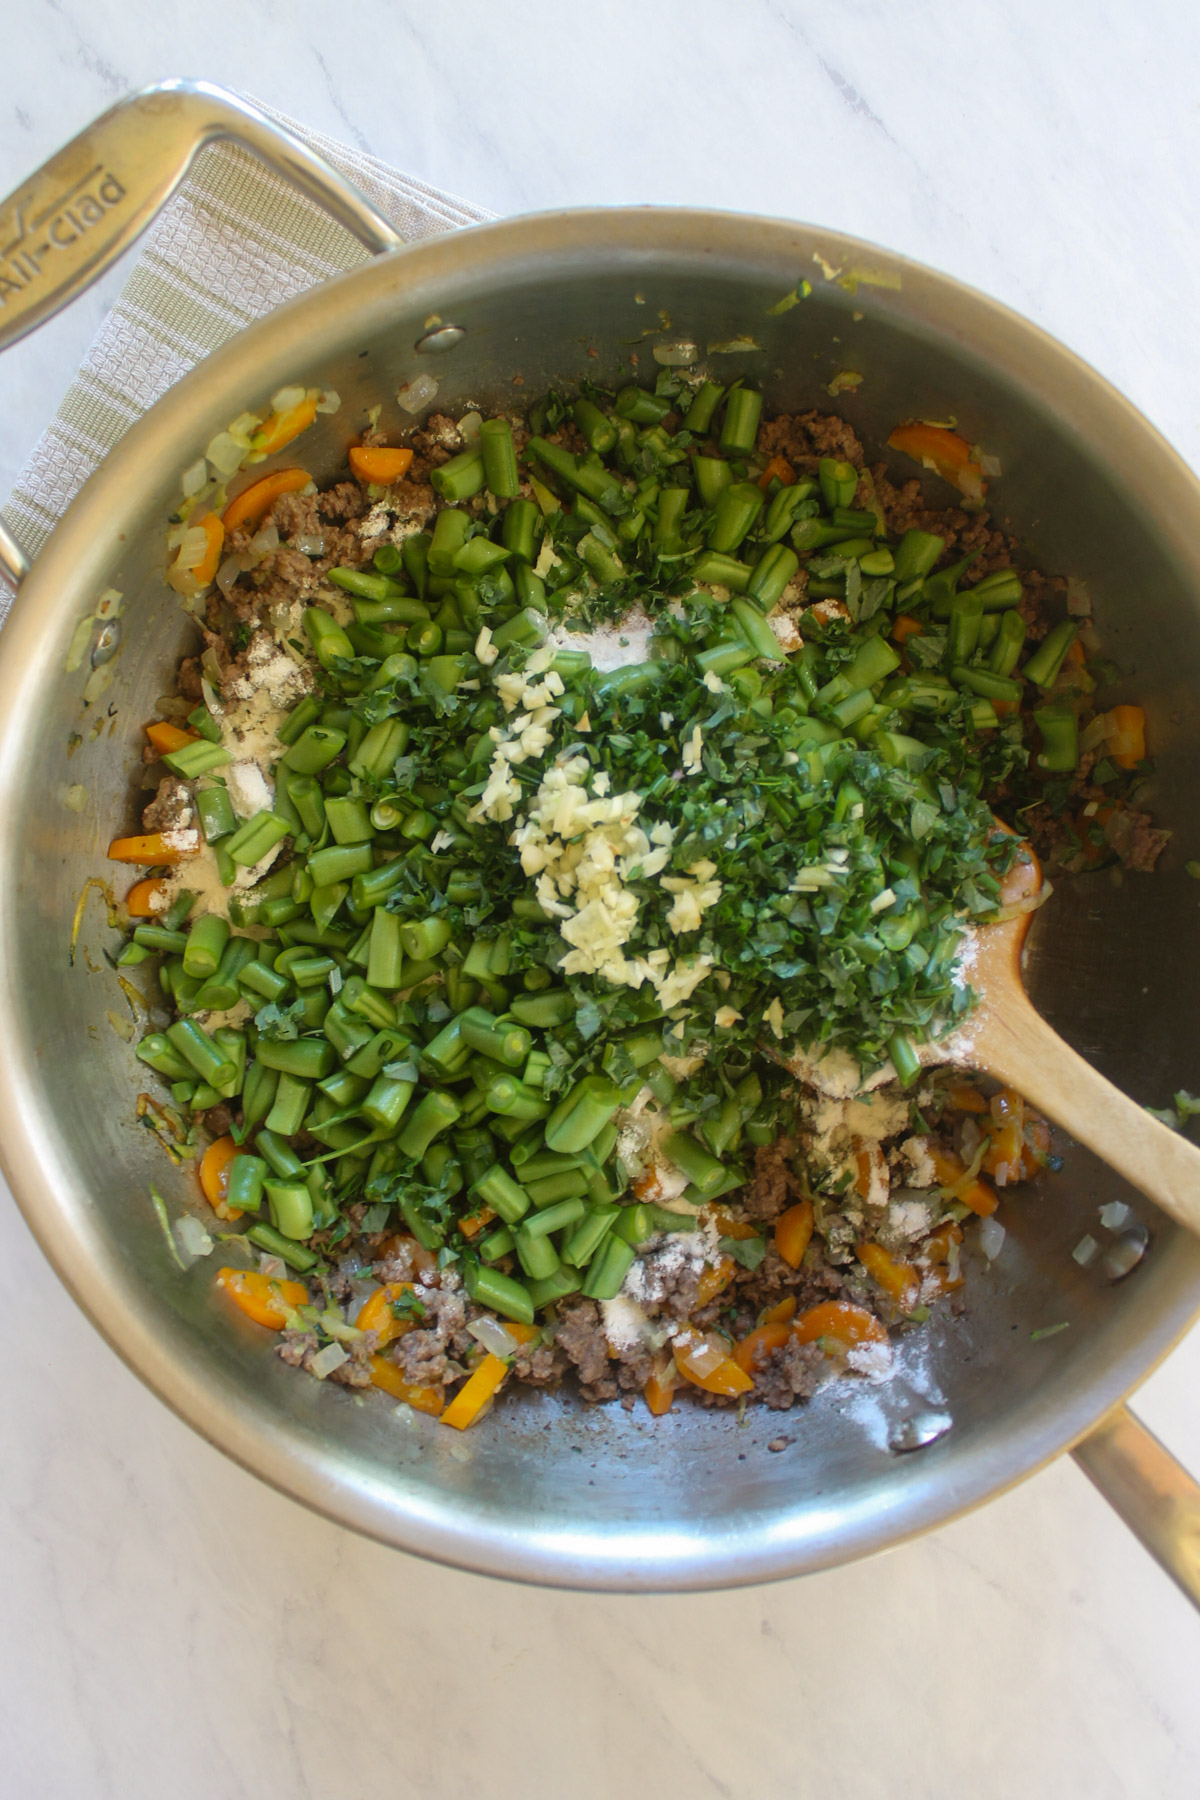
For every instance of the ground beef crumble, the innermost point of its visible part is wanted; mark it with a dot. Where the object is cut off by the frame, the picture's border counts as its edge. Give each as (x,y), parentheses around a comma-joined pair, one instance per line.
(774,1182)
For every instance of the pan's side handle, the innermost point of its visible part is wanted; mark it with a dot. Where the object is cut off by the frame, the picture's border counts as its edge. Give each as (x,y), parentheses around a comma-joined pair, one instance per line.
(79,212)
(14,564)
(1154,1495)
(98,194)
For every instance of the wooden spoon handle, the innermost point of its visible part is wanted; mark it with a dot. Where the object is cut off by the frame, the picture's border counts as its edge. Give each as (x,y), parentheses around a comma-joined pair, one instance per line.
(1015,1044)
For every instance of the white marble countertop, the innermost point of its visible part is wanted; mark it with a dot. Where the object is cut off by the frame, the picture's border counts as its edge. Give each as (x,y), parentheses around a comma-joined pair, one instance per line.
(172,1626)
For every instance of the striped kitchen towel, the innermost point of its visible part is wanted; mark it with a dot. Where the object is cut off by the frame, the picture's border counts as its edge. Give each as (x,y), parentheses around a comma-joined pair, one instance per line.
(233,243)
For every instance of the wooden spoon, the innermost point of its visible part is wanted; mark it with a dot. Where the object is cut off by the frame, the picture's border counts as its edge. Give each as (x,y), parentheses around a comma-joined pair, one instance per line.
(1006,1038)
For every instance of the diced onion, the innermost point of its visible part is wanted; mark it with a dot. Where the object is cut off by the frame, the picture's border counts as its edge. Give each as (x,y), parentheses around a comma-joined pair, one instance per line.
(1115,1215)
(1095,732)
(193,548)
(225,454)
(78,647)
(108,606)
(417,393)
(491,1334)
(701,1357)
(245,425)
(1079,601)
(675,356)
(273,1267)
(970,1138)
(228,573)
(1085,1250)
(329,401)
(468,427)
(287,398)
(309,543)
(172,706)
(327,1360)
(989,464)
(265,542)
(195,477)
(1020,907)
(194,1242)
(990,1237)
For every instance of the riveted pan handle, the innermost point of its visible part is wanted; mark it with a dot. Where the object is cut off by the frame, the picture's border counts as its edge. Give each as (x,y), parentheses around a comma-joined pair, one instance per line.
(92,200)
(97,195)
(1154,1495)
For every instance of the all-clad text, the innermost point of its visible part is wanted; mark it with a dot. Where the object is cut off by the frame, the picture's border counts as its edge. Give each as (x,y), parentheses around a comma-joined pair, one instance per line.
(56,227)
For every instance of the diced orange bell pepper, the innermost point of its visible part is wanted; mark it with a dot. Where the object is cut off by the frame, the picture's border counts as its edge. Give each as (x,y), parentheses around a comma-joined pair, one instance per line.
(167,737)
(207,567)
(214,1176)
(730,1227)
(659,1391)
(937,1247)
(262,1298)
(949,455)
(965,1098)
(648,1186)
(1037,1144)
(897,1279)
(252,505)
(839,1319)
(862,1174)
(278,431)
(475,1393)
(1018,1149)
(474,1225)
(153,848)
(714,1279)
(952,1174)
(778,469)
(1004,1155)
(1126,745)
(979,1197)
(386,1375)
(782,1313)
(757,1345)
(793,1231)
(375,1313)
(905,626)
(141,898)
(699,1360)
(377,463)
(936,1252)
(1006,1103)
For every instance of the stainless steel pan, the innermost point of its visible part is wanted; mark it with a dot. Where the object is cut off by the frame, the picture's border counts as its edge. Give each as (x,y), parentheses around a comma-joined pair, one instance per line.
(543,1490)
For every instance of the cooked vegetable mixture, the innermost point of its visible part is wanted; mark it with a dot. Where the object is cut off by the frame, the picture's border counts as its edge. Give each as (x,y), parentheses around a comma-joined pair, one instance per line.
(569,837)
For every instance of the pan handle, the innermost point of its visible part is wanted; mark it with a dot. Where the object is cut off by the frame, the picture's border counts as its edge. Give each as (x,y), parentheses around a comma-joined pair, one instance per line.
(97,195)
(94,198)
(1153,1493)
